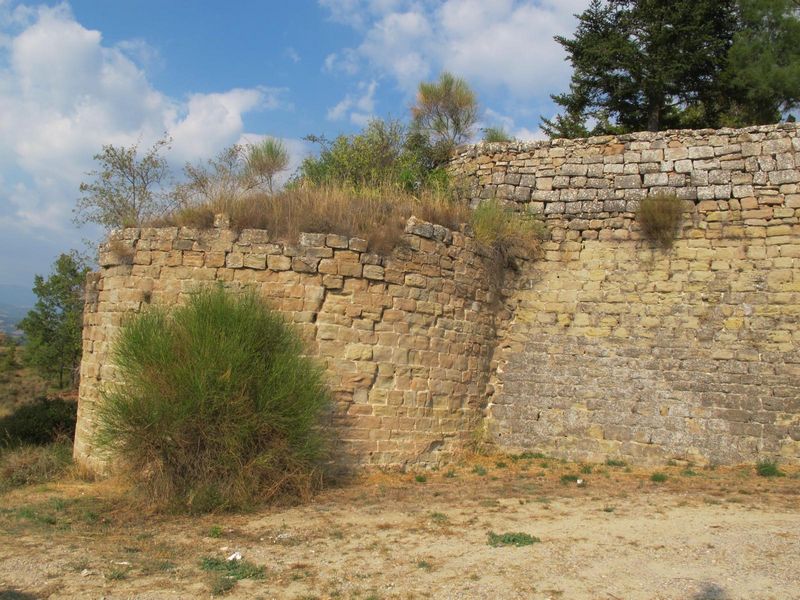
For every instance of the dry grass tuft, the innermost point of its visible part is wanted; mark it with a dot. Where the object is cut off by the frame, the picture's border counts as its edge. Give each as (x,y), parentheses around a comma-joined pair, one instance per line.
(378,215)
(660,218)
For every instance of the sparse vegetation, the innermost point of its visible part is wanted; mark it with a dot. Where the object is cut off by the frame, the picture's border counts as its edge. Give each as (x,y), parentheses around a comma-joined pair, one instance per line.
(378,215)
(126,189)
(420,478)
(768,468)
(446,110)
(658,477)
(217,408)
(517,539)
(27,465)
(660,218)
(496,135)
(508,231)
(615,462)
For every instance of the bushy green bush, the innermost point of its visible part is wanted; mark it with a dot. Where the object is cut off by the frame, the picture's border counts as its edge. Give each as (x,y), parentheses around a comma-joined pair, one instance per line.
(217,407)
(385,153)
(40,422)
(660,218)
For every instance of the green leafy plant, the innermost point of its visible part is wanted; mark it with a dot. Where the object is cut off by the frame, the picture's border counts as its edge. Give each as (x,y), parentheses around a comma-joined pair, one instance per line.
(768,468)
(215,531)
(217,407)
(615,462)
(660,217)
(235,569)
(479,470)
(420,478)
(659,477)
(517,539)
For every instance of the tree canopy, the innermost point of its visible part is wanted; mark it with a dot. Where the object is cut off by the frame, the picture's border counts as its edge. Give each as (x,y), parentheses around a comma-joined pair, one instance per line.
(446,109)
(53,328)
(652,65)
(127,188)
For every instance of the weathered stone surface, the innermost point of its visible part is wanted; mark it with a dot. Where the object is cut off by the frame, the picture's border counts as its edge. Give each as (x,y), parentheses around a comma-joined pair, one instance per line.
(600,346)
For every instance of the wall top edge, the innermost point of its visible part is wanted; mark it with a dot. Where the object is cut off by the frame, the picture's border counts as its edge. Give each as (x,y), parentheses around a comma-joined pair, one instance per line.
(479,148)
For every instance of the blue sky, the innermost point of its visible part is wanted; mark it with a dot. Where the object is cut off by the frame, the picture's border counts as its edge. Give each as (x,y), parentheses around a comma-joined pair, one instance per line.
(77,75)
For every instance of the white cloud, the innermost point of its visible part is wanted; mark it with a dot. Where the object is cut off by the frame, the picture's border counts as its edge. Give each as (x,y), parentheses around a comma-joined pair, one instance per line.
(505,44)
(63,94)
(290,53)
(347,61)
(360,108)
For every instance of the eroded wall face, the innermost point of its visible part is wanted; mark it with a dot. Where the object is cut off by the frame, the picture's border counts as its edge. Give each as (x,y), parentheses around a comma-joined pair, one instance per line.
(619,349)
(604,346)
(406,339)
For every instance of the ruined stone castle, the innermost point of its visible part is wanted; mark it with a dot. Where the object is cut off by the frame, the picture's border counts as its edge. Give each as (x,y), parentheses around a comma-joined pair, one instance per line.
(602,347)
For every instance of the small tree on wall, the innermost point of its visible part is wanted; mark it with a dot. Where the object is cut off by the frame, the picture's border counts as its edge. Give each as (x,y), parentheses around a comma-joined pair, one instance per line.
(446,110)
(127,188)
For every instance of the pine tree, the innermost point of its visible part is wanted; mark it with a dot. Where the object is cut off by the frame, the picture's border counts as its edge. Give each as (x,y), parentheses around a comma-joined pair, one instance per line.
(646,65)
(53,328)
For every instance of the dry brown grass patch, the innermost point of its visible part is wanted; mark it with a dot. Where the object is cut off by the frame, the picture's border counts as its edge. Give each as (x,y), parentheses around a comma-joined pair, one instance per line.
(378,215)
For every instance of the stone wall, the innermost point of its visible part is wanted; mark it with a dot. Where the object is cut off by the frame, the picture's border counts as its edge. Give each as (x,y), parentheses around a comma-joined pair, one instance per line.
(406,339)
(602,347)
(619,349)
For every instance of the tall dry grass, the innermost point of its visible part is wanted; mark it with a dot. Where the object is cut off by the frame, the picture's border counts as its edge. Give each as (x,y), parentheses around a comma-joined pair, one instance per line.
(378,215)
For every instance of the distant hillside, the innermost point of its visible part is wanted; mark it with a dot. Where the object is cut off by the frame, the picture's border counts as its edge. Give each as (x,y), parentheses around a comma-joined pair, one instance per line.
(10,315)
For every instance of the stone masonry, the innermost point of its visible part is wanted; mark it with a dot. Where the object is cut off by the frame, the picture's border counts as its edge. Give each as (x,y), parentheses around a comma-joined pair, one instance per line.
(406,339)
(617,349)
(602,347)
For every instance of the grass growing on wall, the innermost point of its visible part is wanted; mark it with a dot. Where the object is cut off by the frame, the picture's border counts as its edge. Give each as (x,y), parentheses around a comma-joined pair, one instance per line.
(377,214)
(498,226)
(660,218)
(217,408)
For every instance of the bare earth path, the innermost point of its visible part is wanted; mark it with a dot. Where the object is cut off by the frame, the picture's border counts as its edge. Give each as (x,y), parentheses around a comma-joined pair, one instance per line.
(702,534)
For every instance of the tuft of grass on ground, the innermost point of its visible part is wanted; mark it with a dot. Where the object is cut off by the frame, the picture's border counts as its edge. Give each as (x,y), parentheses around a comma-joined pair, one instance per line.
(517,539)
(768,468)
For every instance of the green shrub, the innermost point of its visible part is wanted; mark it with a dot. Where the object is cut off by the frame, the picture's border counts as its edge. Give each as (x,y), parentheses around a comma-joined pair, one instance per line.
(660,217)
(512,539)
(27,465)
(499,227)
(40,422)
(217,408)
(768,468)
(658,477)
(496,135)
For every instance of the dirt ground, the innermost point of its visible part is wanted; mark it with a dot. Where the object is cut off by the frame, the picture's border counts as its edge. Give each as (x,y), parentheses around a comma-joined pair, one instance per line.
(710,534)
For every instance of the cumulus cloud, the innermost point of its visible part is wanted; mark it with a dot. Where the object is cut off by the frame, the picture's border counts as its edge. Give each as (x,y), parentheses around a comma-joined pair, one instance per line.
(360,108)
(506,44)
(64,93)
